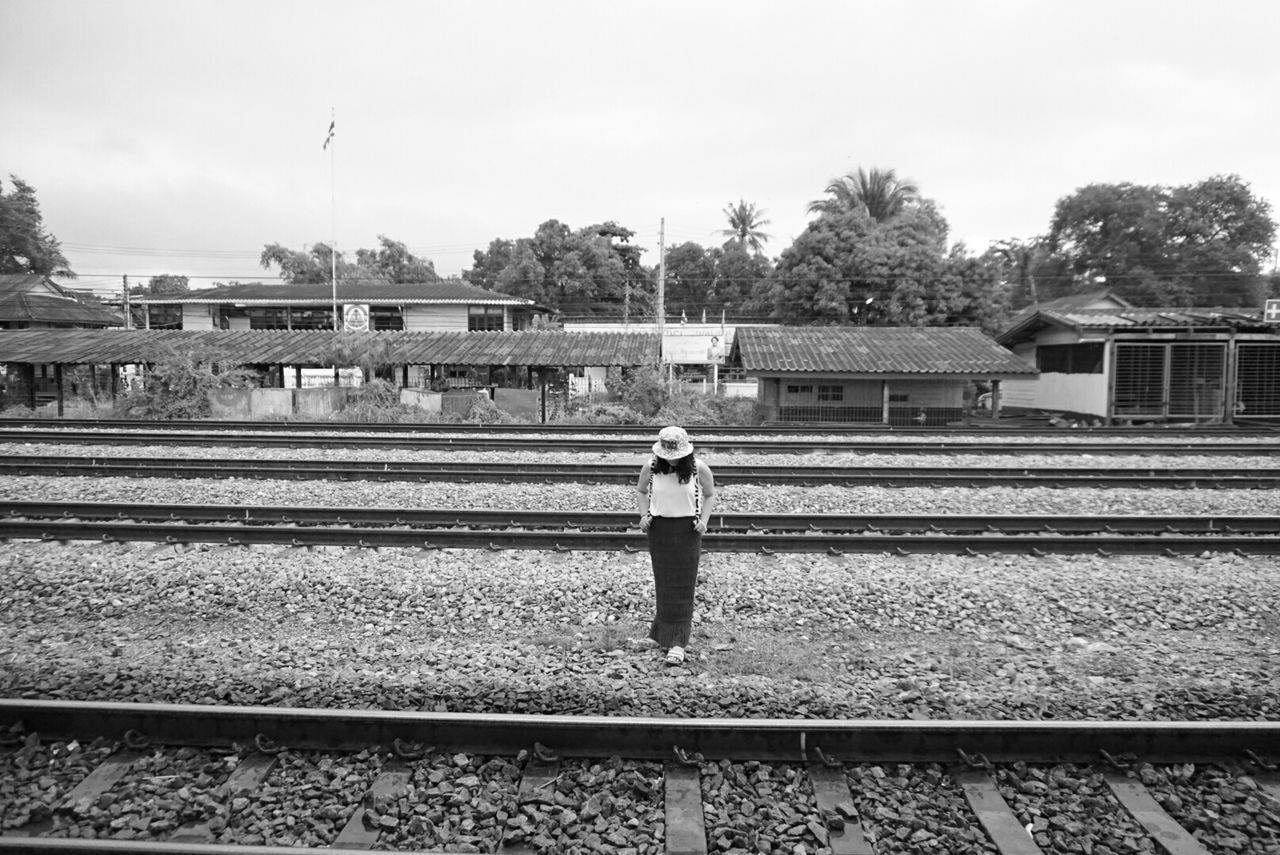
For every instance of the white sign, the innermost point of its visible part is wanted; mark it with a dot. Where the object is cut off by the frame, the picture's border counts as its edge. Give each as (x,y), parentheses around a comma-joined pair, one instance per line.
(693,349)
(355,317)
(1271,312)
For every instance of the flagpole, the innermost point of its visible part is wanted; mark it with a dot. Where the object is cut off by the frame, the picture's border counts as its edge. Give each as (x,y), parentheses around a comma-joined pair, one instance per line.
(333,217)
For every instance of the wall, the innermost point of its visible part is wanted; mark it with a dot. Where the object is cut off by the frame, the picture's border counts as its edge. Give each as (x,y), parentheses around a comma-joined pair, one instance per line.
(524,404)
(276,403)
(423,399)
(1073,393)
(435,318)
(197,316)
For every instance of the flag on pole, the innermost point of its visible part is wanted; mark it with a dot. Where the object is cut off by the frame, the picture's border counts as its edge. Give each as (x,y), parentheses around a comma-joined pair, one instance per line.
(329,137)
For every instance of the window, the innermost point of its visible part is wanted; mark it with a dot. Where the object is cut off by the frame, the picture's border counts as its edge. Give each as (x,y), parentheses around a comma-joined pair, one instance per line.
(385,318)
(164,317)
(268,319)
(830,393)
(1070,358)
(794,389)
(899,397)
(311,319)
(484,318)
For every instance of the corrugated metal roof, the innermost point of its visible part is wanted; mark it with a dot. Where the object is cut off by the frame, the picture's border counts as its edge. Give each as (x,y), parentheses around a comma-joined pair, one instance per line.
(876,350)
(1079,320)
(32,298)
(450,291)
(311,347)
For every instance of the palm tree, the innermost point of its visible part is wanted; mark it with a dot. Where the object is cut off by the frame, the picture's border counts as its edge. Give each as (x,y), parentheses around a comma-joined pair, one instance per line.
(745,222)
(879,194)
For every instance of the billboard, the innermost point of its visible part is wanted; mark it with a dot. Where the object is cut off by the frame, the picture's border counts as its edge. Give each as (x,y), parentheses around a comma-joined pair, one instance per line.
(685,348)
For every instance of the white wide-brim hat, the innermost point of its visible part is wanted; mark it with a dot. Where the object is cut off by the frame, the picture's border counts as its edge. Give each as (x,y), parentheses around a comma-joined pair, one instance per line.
(673,443)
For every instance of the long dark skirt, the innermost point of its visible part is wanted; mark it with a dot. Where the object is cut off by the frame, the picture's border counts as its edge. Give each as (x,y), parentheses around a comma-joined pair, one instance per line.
(674,547)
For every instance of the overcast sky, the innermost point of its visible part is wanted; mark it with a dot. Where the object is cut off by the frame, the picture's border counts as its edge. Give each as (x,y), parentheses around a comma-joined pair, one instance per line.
(180,137)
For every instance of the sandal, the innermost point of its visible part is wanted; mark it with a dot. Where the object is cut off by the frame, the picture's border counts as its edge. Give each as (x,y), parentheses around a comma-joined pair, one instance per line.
(675,656)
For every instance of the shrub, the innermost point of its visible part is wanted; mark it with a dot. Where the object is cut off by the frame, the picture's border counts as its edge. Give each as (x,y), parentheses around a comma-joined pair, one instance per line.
(177,386)
(378,402)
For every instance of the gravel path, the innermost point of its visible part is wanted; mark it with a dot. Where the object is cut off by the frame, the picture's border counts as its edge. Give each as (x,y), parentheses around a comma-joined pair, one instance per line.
(793,636)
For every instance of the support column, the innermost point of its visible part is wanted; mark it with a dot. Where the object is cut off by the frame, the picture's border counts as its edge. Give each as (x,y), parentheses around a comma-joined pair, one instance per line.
(884,401)
(404,376)
(57,379)
(336,378)
(297,376)
(995,399)
(31,385)
(115,380)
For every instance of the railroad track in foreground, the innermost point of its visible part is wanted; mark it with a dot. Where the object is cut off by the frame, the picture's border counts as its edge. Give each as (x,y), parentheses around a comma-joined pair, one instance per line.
(596,473)
(585,441)
(193,779)
(833,534)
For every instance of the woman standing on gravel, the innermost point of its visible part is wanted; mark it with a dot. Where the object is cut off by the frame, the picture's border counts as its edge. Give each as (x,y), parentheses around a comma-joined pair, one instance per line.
(676,493)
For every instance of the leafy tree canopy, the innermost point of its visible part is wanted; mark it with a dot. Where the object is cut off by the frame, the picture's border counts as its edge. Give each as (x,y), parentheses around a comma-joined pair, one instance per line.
(712,280)
(25,246)
(1196,244)
(162,286)
(391,262)
(591,271)
(851,268)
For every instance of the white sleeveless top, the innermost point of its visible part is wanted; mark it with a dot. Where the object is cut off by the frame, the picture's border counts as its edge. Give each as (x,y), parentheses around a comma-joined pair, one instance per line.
(669,498)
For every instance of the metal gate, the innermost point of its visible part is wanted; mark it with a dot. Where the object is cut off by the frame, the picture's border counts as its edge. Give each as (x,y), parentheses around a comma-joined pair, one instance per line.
(1179,380)
(1257,380)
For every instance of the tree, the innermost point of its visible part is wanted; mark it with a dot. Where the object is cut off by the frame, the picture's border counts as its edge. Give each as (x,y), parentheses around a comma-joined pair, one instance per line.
(394,263)
(25,246)
(590,271)
(166,285)
(850,268)
(878,193)
(312,267)
(1171,246)
(745,224)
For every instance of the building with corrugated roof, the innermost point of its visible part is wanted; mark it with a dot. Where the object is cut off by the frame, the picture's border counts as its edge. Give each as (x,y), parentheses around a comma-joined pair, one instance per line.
(34,301)
(1101,358)
(446,305)
(869,374)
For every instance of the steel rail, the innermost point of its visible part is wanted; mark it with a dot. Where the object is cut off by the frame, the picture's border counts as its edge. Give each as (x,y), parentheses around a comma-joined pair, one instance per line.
(615,520)
(633,541)
(981,427)
(636,445)
(515,472)
(793,740)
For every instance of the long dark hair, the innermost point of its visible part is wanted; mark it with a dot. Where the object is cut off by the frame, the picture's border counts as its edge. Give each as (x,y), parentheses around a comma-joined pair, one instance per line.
(684,467)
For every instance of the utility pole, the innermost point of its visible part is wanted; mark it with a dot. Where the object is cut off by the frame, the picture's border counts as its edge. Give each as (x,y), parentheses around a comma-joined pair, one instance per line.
(128,310)
(662,276)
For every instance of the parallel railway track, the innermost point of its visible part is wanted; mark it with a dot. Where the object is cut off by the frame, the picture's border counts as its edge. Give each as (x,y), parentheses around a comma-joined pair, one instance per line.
(548,755)
(588,441)
(598,531)
(591,472)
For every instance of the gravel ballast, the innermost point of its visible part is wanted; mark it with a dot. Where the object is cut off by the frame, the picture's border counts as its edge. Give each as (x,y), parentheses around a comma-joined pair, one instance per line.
(1126,637)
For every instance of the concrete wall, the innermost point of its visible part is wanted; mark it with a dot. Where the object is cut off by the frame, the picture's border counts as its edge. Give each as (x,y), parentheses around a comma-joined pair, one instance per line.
(423,399)
(524,404)
(315,404)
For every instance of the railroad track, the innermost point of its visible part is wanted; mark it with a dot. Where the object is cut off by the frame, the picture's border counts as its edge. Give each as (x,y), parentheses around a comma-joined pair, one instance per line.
(195,779)
(635,444)
(774,429)
(590,472)
(612,531)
